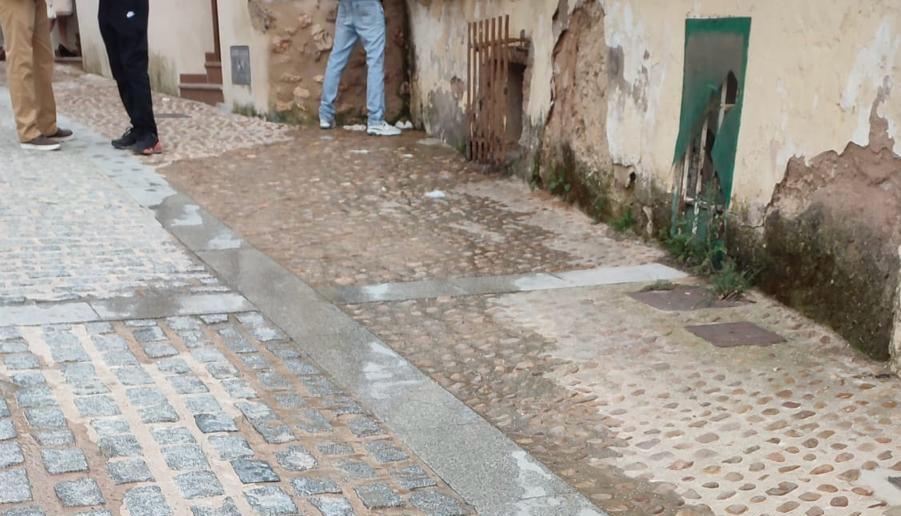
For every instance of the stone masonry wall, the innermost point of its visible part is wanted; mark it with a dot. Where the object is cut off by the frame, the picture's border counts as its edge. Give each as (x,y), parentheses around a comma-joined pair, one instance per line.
(302,34)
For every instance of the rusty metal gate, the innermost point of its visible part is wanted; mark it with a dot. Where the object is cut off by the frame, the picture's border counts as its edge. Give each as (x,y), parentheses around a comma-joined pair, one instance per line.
(491,104)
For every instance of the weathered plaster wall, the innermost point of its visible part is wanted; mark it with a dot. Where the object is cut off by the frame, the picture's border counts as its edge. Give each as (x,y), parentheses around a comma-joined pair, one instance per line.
(180,33)
(301,34)
(818,146)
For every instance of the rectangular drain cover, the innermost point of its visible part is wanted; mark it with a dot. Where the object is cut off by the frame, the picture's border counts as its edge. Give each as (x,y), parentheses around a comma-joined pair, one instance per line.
(730,335)
(682,298)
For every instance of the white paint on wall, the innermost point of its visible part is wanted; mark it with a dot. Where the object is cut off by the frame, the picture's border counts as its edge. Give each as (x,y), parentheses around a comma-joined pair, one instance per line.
(873,64)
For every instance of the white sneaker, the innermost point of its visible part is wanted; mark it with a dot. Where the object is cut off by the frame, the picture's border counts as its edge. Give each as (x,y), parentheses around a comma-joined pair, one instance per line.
(382,129)
(41,143)
(326,124)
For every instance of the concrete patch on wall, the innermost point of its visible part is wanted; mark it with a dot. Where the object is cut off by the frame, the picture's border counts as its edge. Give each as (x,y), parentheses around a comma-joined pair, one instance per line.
(831,235)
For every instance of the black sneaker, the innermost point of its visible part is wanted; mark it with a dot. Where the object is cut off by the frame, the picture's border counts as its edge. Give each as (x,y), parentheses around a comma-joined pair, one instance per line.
(148,146)
(126,141)
(41,143)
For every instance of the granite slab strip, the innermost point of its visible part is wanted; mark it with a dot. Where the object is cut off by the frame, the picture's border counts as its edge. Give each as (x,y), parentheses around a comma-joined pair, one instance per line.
(459,287)
(161,305)
(47,313)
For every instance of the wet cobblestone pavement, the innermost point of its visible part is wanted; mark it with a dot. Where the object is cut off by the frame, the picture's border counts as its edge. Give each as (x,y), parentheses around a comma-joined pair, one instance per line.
(193,415)
(616,397)
(286,198)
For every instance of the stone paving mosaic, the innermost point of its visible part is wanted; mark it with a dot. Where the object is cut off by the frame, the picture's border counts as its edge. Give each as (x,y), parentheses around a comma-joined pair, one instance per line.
(286,200)
(215,415)
(645,418)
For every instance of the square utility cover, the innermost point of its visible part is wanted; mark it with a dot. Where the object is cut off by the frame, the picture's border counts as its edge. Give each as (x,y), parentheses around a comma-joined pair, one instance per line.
(730,335)
(682,298)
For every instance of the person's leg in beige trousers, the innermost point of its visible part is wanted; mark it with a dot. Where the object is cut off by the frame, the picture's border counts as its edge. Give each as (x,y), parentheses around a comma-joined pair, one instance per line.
(26,31)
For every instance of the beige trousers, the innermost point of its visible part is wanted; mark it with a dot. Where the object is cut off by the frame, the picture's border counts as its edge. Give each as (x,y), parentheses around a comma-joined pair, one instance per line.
(29,66)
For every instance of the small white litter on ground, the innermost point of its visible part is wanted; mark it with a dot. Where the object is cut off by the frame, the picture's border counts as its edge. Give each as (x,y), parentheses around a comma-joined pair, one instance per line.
(359,151)
(436,194)
(355,127)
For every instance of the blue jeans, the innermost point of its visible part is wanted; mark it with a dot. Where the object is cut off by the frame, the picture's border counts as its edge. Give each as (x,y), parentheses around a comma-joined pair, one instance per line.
(362,20)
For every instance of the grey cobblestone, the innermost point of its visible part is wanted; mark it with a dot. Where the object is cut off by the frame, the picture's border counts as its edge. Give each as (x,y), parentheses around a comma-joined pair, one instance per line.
(289,401)
(188,385)
(378,496)
(21,361)
(173,366)
(129,471)
(146,501)
(120,357)
(150,333)
(4,408)
(357,469)
(14,486)
(37,396)
(15,345)
(228,508)
(133,375)
(120,446)
(10,455)
(67,460)
(238,387)
(54,438)
(185,457)
(251,471)
(79,493)
(110,427)
(46,417)
(178,435)
(270,501)
(307,486)
(234,341)
(436,503)
(94,406)
(335,449)
(295,458)
(7,429)
(213,423)
(163,413)
(203,404)
(24,511)
(159,350)
(231,447)
(385,452)
(28,378)
(413,477)
(333,506)
(199,484)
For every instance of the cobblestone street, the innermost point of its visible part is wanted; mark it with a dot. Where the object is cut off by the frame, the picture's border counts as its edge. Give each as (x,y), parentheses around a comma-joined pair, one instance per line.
(275,320)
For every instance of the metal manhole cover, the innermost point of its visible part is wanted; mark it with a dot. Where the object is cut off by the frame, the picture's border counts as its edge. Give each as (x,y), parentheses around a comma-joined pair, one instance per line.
(172,115)
(730,335)
(682,298)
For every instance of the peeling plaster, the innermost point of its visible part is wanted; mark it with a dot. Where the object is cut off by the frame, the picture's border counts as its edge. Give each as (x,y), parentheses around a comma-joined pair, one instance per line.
(873,65)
